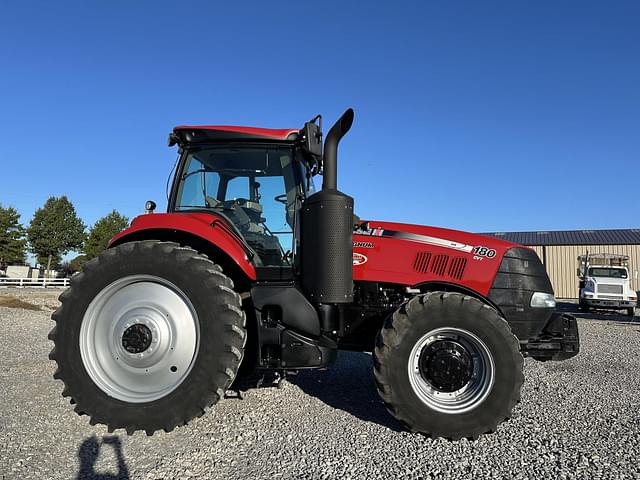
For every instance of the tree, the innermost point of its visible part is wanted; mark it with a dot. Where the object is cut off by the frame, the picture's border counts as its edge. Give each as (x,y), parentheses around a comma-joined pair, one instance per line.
(12,242)
(55,230)
(76,264)
(102,231)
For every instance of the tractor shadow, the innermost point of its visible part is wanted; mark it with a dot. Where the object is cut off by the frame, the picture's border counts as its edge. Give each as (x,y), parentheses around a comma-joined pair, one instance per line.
(89,452)
(348,385)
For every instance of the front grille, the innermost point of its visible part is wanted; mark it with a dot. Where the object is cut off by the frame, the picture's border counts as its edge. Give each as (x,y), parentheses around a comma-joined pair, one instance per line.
(604,288)
(520,274)
(607,297)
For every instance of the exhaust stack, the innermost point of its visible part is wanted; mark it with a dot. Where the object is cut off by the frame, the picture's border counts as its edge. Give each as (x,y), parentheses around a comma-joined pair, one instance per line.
(330,157)
(327,230)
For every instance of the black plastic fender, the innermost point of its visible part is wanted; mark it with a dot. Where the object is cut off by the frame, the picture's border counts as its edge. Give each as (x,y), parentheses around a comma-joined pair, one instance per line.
(289,307)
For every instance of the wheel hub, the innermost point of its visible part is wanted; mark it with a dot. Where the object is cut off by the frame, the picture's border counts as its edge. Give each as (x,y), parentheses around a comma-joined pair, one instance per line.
(446,365)
(137,338)
(451,370)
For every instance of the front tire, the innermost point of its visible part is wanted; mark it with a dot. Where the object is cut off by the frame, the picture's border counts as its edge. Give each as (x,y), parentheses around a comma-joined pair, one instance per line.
(631,311)
(448,365)
(148,336)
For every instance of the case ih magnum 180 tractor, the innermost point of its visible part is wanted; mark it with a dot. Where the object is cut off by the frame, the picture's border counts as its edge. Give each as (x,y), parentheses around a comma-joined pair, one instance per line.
(251,265)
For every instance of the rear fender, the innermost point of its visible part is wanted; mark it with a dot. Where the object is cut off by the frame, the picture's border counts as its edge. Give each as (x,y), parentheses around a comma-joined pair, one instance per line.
(202,232)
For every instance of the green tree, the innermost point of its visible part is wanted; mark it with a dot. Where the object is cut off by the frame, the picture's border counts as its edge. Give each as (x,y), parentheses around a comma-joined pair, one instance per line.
(12,242)
(55,230)
(102,231)
(77,263)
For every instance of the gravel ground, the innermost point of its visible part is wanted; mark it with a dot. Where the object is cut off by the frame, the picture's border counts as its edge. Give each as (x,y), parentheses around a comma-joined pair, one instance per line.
(577,419)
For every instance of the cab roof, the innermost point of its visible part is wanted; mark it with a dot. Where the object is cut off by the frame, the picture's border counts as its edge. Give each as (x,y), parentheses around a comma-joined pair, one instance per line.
(208,133)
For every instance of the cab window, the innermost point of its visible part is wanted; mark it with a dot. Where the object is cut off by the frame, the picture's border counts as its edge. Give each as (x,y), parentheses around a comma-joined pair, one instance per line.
(254,187)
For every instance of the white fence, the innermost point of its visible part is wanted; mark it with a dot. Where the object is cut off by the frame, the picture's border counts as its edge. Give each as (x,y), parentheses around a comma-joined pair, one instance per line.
(34,282)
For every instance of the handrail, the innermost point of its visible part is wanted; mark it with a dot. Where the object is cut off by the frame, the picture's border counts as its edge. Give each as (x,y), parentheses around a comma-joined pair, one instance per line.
(34,282)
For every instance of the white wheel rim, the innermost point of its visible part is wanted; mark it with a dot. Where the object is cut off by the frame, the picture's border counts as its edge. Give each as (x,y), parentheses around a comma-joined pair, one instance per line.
(149,304)
(470,395)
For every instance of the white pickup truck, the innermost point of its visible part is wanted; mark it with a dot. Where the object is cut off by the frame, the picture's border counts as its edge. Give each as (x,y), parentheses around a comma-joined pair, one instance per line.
(605,282)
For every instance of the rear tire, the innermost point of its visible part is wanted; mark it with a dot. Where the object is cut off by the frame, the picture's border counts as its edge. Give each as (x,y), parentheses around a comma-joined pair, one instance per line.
(419,401)
(149,335)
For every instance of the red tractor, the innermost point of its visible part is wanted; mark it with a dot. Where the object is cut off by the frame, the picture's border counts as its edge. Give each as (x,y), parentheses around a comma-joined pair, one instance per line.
(251,265)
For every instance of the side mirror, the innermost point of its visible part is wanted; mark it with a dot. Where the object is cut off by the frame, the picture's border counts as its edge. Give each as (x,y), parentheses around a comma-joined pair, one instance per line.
(312,137)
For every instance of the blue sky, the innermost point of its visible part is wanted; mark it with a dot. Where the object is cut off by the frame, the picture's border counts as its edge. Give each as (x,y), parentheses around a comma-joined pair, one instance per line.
(481,116)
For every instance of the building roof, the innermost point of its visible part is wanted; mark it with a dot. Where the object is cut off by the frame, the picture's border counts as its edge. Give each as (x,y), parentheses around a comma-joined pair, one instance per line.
(572,237)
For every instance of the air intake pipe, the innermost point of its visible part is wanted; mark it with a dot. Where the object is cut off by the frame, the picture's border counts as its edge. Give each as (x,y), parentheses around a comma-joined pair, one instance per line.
(327,230)
(330,157)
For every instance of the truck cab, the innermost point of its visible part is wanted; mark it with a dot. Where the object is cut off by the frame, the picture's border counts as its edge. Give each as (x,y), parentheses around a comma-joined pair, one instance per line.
(605,283)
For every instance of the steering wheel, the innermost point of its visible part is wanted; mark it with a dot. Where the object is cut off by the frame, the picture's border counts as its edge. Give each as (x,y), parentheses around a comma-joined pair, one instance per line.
(281,199)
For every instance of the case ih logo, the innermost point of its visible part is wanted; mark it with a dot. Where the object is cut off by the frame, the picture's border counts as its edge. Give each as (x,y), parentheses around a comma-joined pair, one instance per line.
(363,244)
(359,259)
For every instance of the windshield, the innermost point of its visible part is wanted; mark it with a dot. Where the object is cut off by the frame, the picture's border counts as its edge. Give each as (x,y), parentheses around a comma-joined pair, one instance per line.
(255,187)
(607,272)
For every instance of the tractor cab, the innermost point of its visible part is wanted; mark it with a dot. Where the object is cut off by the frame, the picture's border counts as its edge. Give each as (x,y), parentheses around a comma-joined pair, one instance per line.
(254,179)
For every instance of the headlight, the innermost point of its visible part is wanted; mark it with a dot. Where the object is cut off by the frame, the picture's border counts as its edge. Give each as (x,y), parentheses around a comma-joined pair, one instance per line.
(589,285)
(543,300)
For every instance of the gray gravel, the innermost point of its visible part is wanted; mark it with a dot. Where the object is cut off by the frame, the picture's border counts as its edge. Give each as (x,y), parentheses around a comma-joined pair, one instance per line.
(577,419)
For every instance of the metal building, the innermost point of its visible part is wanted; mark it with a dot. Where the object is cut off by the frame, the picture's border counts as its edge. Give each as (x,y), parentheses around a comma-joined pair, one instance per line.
(559,252)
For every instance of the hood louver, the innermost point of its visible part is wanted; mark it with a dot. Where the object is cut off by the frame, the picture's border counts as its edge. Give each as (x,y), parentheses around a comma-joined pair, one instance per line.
(456,269)
(440,265)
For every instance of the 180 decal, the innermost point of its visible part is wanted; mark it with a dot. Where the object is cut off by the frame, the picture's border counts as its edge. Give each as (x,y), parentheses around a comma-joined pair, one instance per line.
(484,252)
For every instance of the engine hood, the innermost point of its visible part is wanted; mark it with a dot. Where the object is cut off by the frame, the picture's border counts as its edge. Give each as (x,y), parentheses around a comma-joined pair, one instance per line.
(444,237)
(415,254)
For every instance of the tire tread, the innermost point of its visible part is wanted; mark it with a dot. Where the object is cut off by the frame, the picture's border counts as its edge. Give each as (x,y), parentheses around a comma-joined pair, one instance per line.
(398,324)
(225,301)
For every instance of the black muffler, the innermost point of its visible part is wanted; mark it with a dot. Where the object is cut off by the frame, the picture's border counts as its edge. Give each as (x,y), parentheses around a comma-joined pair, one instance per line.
(327,229)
